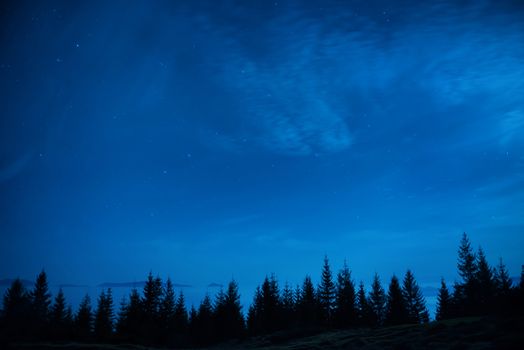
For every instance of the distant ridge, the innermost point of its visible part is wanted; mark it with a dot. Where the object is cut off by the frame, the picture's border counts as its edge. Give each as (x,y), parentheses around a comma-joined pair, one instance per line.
(135,285)
(215,285)
(70,285)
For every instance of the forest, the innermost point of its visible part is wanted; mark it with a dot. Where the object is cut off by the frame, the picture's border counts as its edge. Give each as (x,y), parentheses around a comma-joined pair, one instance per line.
(158,316)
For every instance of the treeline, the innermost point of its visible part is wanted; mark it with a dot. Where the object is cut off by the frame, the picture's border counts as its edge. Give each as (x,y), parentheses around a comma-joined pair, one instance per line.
(158,316)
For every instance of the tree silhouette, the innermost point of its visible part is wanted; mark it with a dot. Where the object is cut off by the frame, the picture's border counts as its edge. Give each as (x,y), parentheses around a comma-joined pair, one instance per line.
(326,294)
(503,282)
(84,319)
(61,317)
(16,311)
(180,314)
(167,312)
(377,301)
(229,321)
(444,302)
(308,310)
(40,304)
(485,290)
(414,300)
(396,312)
(265,314)
(364,312)
(104,316)
(345,308)
(204,327)
(464,295)
(288,307)
(131,317)
(152,296)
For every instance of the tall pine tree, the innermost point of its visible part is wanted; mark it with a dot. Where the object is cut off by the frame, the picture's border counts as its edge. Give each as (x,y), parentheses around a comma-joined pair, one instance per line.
(444,302)
(364,312)
(396,312)
(414,300)
(345,299)
(84,319)
(104,316)
(377,301)
(326,294)
(40,302)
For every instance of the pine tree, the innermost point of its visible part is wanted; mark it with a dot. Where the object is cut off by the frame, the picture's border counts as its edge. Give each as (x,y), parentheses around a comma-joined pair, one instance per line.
(364,313)
(271,305)
(167,310)
(58,310)
(345,299)
(377,301)
(84,319)
(326,293)
(180,314)
(41,301)
(414,300)
(288,306)
(152,297)
(465,294)
(503,282)
(444,302)
(396,312)
(104,316)
(229,321)
(131,317)
(16,310)
(254,322)
(204,332)
(485,290)
(466,260)
(308,310)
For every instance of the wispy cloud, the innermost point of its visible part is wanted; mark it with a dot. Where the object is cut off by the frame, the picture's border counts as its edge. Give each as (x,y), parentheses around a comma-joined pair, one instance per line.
(300,88)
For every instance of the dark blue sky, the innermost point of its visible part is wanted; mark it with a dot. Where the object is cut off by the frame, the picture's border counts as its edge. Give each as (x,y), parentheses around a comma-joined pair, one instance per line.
(205,140)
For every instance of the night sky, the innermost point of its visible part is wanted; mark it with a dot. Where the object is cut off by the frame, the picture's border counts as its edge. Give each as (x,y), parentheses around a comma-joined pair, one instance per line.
(205,140)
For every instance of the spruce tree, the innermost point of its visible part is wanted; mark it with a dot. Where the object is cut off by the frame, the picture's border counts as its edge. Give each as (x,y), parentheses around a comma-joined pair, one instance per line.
(229,321)
(254,314)
(485,291)
(326,293)
(152,297)
(288,306)
(503,282)
(308,309)
(16,310)
(84,319)
(271,316)
(40,302)
(167,310)
(466,260)
(131,318)
(444,302)
(180,314)
(396,312)
(377,301)
(364,313)
(204,328)
(465,294)
(104,316)
(60,316)
(414,300)
(345,299)
(58,310)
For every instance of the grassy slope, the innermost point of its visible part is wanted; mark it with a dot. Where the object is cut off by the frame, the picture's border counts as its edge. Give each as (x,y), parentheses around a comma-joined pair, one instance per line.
(467,333)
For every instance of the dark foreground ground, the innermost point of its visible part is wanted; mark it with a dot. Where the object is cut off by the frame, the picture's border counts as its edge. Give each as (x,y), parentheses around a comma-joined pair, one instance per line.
(466,333)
